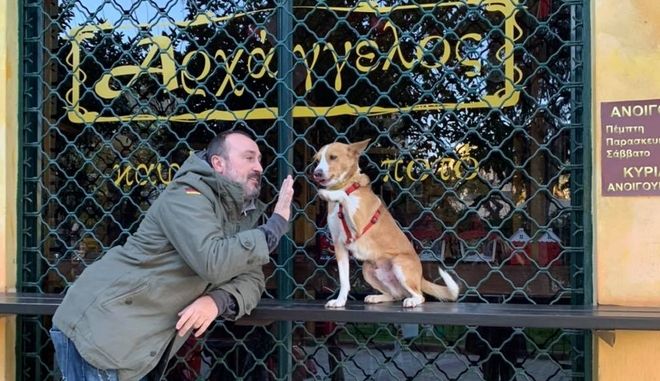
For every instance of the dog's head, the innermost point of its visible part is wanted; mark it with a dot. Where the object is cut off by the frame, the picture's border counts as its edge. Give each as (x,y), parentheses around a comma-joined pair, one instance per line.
(337,162)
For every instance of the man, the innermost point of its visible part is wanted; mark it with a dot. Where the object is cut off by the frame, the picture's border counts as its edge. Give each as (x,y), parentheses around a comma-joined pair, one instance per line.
(196,256)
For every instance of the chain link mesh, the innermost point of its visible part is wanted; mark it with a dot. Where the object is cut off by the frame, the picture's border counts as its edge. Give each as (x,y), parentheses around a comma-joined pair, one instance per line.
(474,113)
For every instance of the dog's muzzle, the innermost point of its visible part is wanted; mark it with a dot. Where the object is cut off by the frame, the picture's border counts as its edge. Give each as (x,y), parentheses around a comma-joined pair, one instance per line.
(318,176)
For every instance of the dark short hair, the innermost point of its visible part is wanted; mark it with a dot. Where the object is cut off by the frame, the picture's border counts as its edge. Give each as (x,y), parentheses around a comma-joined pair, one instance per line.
(217,144)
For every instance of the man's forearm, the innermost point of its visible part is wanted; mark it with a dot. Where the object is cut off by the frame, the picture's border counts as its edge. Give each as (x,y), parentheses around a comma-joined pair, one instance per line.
(274,229)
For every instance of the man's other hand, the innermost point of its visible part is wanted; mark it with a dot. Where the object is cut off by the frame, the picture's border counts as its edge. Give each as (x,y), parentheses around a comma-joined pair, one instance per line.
(198,315)
(283,205)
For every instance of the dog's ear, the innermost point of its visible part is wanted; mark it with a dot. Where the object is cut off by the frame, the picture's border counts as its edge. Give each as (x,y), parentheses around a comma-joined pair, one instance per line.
(359,147)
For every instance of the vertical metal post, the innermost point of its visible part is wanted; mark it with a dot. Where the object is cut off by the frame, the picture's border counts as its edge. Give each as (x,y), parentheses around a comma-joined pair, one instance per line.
(581,266)
(587,152)
(285,94)
(29,261)
(587,243)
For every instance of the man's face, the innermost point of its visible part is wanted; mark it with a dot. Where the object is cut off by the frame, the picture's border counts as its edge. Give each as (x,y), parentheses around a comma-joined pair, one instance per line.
(242,164)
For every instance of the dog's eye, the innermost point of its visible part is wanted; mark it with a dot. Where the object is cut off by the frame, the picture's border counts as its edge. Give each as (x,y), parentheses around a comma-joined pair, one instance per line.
(333,157)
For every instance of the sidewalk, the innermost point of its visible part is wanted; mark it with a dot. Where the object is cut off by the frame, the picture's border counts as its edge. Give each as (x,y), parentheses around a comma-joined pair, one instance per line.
(397,364)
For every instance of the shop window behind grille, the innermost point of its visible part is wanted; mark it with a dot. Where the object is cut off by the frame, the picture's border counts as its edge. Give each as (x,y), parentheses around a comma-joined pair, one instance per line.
(474,114)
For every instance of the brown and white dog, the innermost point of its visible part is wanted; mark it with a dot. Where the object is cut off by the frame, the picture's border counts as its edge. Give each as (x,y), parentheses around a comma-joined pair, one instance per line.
(360,223)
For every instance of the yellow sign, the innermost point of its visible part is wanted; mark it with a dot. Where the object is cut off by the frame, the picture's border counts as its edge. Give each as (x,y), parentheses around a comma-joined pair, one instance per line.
(226,72)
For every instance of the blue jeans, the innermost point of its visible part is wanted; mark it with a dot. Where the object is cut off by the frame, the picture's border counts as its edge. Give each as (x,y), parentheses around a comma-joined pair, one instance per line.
(72,365)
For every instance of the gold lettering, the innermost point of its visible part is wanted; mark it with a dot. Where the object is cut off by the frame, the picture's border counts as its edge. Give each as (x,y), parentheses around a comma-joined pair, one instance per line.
(172,171)
(459,168)
(445,168)
(396,49)
(442,60)
(123,174)
(301,51)
(263,66)
(229,69)
(145,175)
(160,45)
(265,58)
(397,178)
(465,168)
(409,170)
(387,163)
(368,56)
(342,59)
(185,74)
(476,64)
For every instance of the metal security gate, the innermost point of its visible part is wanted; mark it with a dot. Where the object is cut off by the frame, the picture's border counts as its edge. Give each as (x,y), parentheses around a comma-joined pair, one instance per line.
(475,111)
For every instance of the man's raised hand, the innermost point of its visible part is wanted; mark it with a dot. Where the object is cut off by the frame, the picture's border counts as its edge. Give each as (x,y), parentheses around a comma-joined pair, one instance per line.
(283,205)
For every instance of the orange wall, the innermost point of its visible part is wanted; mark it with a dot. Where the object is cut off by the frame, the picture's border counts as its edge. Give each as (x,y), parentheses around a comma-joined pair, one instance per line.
(633,357)
(626,43)
(627,244)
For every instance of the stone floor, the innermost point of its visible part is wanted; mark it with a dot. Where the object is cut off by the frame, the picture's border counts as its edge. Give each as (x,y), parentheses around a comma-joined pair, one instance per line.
(397,364)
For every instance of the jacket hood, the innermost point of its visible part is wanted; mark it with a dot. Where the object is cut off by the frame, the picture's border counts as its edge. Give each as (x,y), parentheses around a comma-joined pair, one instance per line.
(197,173)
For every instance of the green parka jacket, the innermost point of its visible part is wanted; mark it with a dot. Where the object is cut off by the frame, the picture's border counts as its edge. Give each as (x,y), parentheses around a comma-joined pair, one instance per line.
(196,237)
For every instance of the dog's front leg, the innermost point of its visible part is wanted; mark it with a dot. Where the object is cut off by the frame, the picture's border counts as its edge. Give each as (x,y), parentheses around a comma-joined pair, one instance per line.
(343,263)
(333,195)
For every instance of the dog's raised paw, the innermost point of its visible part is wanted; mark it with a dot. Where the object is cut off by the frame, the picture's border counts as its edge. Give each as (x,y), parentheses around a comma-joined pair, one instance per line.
(324,194)
(335,303)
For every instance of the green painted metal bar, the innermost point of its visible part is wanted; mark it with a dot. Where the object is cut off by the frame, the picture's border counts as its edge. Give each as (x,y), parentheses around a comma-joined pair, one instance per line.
(581,266)
(587,221)
(285,156)
(32,129)
(587,154)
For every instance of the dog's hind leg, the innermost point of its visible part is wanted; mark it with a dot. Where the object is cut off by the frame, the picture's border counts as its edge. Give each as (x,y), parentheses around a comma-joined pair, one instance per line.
(412,284)
(379,298)
(368,271)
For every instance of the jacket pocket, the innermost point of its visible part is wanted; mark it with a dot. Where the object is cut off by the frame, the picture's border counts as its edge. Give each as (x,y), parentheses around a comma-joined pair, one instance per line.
(125,298)
(129,328)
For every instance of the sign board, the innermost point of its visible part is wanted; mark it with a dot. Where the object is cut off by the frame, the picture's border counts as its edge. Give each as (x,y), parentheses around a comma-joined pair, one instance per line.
(359,61)
(630,148)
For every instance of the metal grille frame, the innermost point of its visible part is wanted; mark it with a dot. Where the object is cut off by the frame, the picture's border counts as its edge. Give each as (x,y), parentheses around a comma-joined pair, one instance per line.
(72,177)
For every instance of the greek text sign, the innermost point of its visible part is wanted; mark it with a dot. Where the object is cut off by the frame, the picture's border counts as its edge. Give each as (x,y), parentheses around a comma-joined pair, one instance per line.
(630,148)
(367,63)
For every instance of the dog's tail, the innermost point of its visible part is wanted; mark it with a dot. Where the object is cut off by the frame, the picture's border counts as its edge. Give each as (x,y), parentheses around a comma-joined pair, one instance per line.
(448,292)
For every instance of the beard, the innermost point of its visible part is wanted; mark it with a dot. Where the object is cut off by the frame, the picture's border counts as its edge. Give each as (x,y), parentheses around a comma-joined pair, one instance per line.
(252,186)
(251,182)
